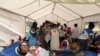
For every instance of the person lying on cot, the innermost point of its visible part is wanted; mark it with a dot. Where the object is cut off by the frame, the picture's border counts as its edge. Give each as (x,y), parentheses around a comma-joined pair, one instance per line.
(15,49)
(37,51)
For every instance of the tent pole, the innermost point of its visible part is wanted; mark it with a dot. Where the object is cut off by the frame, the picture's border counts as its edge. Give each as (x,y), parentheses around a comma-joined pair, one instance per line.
(70,9)
(65,12)
(81,23)
(97,5)
(53,8)
(11,12)
(26,5)
(42,16)
(57,19)
(25,25)
(60,17)
(39,9)
(14,13)
(84,17)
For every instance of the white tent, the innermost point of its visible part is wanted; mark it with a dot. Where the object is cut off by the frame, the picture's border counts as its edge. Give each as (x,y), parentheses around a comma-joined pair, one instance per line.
(15,13)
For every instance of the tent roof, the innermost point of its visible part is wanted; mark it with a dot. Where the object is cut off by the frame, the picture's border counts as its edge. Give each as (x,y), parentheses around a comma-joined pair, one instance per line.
(36,9)
(15,13)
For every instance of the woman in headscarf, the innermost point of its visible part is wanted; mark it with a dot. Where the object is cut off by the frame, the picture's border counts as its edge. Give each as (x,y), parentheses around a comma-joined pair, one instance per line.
(65,45)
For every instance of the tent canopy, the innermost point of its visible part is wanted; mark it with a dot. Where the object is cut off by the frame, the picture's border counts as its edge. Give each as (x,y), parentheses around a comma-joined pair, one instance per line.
(36,9)
(15,13)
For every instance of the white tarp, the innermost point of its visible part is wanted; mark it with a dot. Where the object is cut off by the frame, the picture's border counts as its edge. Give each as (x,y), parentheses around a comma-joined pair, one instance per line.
(17,12)
(14,22)
(40,8)
(11,25)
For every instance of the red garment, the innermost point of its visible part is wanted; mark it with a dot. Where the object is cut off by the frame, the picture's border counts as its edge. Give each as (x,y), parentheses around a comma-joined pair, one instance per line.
(60,46)
(98,50)
(69,30)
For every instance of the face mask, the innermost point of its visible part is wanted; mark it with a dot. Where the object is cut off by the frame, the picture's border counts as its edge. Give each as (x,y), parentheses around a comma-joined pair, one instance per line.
(32,32)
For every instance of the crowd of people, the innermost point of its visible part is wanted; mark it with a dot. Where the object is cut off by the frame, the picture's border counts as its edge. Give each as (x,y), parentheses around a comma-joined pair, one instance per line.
(50,36)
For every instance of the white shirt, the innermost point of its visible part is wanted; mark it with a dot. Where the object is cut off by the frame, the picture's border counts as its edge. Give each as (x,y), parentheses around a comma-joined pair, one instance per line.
(75,33)
(61,33)
(98,54)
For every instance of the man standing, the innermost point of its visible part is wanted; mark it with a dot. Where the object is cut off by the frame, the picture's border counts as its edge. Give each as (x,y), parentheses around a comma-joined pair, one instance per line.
(86,35)
(46,30)
(31,36)
(75,33)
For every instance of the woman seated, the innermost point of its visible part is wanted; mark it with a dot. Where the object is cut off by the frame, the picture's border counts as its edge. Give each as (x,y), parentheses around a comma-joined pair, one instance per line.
(65,45)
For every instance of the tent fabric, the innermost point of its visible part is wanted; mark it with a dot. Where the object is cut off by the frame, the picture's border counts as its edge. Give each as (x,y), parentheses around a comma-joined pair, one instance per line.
(69,11)
(14,22)
(15,13)
(81,22)
(11,26)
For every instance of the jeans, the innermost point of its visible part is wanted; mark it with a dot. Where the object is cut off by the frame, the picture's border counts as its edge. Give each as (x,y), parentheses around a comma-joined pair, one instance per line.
(74,39)
(83,44)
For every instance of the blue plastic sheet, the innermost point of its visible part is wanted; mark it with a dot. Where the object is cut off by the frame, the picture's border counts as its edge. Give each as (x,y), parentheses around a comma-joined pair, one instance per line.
(10,50)
(90,53)
(64,53)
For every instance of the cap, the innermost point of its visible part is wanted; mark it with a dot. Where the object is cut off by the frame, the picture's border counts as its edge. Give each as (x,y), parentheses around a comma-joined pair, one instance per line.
(24,43)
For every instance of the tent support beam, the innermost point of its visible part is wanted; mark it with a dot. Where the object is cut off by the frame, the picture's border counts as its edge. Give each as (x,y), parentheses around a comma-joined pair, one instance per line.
(70,10)
(97,5)
(11,11)
(84,17)
(25,25)
(82,23)
(64,11)
(39,9)
(14,13)
(74,19)
(60,17)
(29,18)
(42,16)
(26,5)
(53,8)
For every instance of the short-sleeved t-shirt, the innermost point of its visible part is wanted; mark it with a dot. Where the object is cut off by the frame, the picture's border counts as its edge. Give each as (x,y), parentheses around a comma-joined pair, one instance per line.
(85,34)
(75,32)
(31,40)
